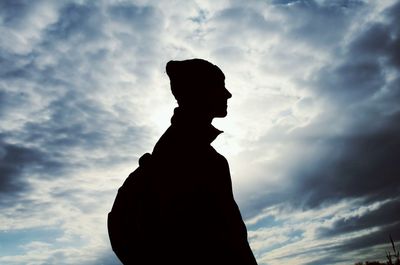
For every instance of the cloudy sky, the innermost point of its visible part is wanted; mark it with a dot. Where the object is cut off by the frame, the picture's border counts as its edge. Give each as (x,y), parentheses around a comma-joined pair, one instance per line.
(312,135)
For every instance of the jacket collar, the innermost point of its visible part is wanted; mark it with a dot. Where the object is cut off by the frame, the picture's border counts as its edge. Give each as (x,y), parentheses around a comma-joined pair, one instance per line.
(201,130)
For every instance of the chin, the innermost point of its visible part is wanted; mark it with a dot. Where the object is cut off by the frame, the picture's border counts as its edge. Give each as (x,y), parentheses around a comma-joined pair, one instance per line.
(221,114)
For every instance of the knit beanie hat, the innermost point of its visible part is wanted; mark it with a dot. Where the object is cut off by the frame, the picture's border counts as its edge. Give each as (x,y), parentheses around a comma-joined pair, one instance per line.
(191,78)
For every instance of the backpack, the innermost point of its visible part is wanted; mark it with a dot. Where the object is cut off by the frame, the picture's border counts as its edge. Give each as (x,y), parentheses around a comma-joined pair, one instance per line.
(130,218)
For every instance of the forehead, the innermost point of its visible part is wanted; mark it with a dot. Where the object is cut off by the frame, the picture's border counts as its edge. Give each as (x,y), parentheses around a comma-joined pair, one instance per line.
(215,75)
(215,82)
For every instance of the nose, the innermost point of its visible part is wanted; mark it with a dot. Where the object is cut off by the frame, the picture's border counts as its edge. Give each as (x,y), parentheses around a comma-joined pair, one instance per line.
(227,93)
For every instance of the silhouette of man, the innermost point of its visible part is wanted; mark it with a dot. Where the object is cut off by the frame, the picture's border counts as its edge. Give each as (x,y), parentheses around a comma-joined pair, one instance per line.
(197,219)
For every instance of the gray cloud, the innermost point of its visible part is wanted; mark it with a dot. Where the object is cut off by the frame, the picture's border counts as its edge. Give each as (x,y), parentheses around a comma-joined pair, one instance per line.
(12,11)
(248,18)
(383,216)
(362,160)
(350,149)
(359,165)
(372,239)
(326,260)
(107,258)
(16,163)
(362,73)
(319,23)
(54,96)
(77,23)
(353,81)
(140,18)
(65,106)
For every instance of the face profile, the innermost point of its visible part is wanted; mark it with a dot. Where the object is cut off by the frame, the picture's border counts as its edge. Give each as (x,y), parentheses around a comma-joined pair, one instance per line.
(199,87)
(217,100)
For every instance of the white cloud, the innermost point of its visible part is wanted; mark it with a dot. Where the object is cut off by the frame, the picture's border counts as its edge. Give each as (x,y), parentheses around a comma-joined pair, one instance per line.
(83,88)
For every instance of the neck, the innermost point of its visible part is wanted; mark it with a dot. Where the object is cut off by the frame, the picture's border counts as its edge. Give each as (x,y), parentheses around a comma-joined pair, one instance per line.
(193,115)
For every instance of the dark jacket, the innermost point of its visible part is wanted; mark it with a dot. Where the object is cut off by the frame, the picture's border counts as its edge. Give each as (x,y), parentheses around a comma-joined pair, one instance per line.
(198,220)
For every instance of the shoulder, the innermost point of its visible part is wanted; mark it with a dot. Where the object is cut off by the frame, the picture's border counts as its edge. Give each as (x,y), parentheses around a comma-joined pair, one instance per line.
(217,156)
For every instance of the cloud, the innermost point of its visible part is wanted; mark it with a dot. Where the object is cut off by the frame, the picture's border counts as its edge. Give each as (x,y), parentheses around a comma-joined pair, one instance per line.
(23,23)
(363,70)
(346,145)
(358,159)
(380,237)
(312,134)
(75,80)
(383,216)
(346,151)
(357,165)
(320,23)
(17,162)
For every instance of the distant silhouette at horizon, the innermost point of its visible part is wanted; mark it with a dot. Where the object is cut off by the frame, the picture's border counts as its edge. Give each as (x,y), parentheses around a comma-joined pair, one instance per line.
(186,212)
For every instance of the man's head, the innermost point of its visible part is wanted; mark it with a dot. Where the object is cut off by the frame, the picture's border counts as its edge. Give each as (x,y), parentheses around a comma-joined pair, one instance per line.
(199,85)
